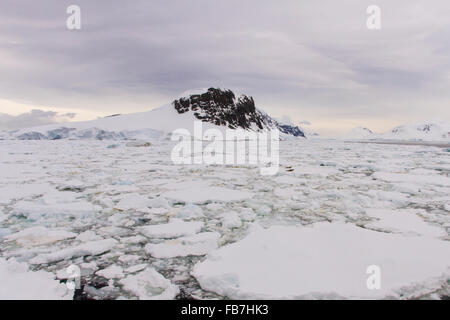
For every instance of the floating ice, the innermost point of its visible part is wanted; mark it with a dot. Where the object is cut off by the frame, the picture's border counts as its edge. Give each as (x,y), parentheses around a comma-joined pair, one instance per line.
(15,191)
(322,261)
(73,187)
(190,211)
(55,203)
(112,272)
(202,195)
(136,268)
(39,235)
(196,245)
(18,283)
(403,221)
(133,201)
(150,285)
(231,220)
(175,228)
(413,178)
(91,248)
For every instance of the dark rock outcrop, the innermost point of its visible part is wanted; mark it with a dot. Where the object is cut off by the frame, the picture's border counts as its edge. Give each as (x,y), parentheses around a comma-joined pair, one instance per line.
(223,108)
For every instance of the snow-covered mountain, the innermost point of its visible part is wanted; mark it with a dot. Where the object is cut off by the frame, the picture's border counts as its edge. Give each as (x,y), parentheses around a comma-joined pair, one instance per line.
(224,108)
(311,134)
(425,131)
(360,133)
(216,108)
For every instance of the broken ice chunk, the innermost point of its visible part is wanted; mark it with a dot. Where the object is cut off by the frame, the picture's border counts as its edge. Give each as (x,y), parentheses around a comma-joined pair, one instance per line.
(231,220)
(17,282)
(403,221)
(196,245)
(111,272)
(326,260)
(39,235)
(190,211)
(133,201)
(175,228)
(150,285)
(88,235)
(202,195)
(136,268)
(91,248)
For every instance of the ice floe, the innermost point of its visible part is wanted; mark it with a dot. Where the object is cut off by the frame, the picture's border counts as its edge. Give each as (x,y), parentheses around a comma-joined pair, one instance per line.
(195,245)
(413,178)
(231,220)
(133,201)
(11,191)
(404,221)
(175,228)
(149,285)
(322,261)
(84,249)
(19,283)
(111,272)
(202,195)
(39,235)
(55,203)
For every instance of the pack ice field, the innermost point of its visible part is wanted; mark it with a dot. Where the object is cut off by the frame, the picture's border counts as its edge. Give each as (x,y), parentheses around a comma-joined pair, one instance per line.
(118,220)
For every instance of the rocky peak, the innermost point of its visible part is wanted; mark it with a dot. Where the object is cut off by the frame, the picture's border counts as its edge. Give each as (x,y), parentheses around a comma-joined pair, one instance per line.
(223,108)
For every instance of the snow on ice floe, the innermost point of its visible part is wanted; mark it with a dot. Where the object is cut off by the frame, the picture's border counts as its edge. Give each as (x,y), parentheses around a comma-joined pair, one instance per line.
(194,245)
(111,272)
(127,258)
(287,180)
(136,268)
(39,235)
(438,180)
(55,203)
(175,228)
(314,170)
(231,220)
(406,221)
(10,192)
(10,170)
(204,194)
(19,283)
(190,211)
(133,201)
(88,235)
(181,185)
(149,285)
(133,239)
(90,248)
(323,261)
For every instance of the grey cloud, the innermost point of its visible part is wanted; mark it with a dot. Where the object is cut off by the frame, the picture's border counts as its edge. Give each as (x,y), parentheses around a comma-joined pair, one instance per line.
(294,55)
(33,118)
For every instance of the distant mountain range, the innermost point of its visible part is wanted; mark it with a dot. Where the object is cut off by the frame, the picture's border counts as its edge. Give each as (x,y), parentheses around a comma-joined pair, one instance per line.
(214,107)
(360,133)
(423,131)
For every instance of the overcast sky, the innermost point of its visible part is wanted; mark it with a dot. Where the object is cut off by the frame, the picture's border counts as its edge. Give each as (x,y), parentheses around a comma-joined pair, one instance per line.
(314,61)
